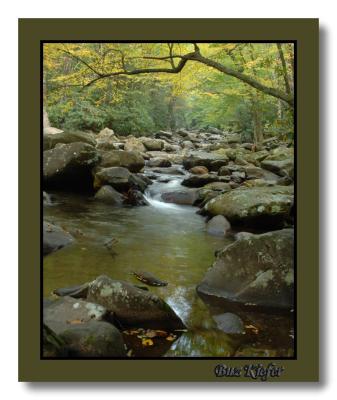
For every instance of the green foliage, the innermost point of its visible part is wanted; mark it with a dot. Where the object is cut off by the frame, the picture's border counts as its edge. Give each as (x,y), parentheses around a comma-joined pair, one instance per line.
(197,97)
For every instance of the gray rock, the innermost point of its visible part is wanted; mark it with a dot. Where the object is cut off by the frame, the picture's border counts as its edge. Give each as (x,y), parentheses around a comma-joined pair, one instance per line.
(54,238)
(254,270)
(134,144)
(159,162)
(69,165)
(218,226)
(187,197)
(199,158)
(253,205)
(133,306)
(152,144)
(109,195)
(117,177)
(51,140)
(131,160)
(202,180)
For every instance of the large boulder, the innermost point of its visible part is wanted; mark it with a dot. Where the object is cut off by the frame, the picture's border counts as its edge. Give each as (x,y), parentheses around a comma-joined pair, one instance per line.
(253,172)
(212,161)
(54,238)
(68,166)
(109,195)
(131,160)
(133,306)
(254,270)
(134,144)
(199,170)
(267,205)
(52,344)
(51,140)
(80,324)
(152,144)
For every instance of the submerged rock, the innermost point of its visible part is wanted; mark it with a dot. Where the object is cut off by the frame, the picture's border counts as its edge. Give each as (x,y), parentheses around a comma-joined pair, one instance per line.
(218,226)
(54,238)
(229,323)
(133,306)
(254,270)
(253,205)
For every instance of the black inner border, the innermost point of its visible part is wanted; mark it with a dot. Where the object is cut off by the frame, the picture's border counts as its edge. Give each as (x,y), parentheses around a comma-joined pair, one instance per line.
(294,357)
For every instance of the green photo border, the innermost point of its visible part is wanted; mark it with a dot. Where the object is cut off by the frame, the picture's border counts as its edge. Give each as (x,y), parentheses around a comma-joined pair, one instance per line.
(31,33)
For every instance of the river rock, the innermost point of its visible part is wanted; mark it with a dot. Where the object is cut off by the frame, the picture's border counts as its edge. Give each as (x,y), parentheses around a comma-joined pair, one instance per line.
(68,166)
(198,170)
(134,144)
(229,323)
(54,238)
(254,270)
(163,135)
(80,325)
(133,306)
(107,140)
(167,171)
(159,162)
(186,197)
(136,198)
(253,205)
(109,195)
(50,141)
(202,180)
(280,167)
(117,177)
(204,159)
(218,226)
(46,199)
(253,172)
(131,160)
(152,144)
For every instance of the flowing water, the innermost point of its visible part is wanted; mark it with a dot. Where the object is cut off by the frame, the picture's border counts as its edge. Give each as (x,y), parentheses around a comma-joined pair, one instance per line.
(167,240)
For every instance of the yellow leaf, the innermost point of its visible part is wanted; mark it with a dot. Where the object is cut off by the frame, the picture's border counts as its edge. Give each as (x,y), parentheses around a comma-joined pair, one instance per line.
(147,342)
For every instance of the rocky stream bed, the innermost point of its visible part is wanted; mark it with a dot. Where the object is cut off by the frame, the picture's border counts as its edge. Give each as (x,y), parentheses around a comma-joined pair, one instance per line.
(174,245)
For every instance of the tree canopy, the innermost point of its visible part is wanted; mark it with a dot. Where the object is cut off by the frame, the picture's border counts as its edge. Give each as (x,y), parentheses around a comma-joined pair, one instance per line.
(142,87)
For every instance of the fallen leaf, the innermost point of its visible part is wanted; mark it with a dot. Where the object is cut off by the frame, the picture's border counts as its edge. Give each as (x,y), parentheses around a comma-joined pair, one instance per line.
(75,322)
(171,338)
(147,342)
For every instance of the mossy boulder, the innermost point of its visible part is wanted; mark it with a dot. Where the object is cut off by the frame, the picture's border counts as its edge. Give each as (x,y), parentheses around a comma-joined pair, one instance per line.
(51,140)
(132,160)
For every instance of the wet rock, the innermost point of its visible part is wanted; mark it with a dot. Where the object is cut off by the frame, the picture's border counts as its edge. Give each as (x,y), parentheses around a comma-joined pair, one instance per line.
(109,195)
(187,197)
(198,170)
(218,226)
(164,135)
(133,306)
(229,323)
(51,140)
(202,180)
(68,166)
(134,144)
(224,171)
(219,186)
(258,206)
(136,198)
(54,238)
(254,270)
(152,144)
(159,162)
(131,160)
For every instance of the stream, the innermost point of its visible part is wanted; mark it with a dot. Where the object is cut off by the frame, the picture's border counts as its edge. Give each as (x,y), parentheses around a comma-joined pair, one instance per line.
(171,242)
